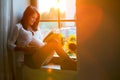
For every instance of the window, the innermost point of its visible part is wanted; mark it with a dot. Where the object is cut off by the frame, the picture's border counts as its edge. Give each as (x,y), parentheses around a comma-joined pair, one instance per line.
(59,15)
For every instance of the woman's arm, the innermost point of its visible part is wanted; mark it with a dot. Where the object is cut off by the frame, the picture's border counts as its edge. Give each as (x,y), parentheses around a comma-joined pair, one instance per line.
(12,40)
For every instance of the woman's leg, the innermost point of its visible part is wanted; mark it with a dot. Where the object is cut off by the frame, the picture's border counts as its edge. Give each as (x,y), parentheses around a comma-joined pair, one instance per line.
(44,55)
(66,61)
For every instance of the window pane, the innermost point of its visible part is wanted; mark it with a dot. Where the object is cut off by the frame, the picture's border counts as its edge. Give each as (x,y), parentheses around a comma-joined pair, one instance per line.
(69,29)
(49,9)
(46,27)
(70,10)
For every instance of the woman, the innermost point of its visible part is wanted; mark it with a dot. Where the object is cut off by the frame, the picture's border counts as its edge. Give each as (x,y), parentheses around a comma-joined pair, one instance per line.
(27,38)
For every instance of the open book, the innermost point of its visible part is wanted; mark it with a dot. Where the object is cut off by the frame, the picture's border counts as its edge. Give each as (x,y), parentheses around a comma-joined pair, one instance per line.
(51,35)
(48,36)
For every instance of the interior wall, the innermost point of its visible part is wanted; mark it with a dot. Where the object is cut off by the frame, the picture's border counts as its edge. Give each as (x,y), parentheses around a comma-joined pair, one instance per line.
(98,37)
(18,8)
(33,2)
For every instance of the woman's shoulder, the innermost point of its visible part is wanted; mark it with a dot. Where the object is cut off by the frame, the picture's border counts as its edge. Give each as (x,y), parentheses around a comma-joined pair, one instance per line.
(18,26)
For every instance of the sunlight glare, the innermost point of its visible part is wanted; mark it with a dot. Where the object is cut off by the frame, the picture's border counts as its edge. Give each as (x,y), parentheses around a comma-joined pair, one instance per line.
(49,70)
(62,5)
(52,4)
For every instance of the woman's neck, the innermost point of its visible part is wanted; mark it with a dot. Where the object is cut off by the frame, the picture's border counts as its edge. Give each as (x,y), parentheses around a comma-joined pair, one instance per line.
(31,30)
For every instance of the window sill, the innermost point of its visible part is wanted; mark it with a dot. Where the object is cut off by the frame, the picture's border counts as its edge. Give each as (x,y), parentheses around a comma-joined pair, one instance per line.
(56,64)
(52,66)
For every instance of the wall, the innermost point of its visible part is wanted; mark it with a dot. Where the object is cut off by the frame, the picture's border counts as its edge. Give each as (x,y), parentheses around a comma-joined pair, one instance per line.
(98,36)
(18,8)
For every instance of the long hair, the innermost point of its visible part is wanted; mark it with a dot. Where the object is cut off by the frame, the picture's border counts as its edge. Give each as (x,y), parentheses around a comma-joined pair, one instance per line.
(36,23)
(27,13)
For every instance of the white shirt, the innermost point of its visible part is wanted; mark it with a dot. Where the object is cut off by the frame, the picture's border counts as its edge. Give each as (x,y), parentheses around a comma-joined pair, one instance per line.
(22,37)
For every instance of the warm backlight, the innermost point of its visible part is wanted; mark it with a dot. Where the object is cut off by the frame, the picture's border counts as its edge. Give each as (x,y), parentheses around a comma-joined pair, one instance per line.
(61,4)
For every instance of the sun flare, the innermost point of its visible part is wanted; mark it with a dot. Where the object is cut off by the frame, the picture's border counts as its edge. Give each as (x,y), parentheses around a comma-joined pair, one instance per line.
(61,4)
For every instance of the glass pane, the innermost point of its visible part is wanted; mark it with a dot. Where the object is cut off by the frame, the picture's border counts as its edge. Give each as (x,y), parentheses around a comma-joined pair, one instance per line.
(46,27)
(49,9)
(68,10)
(67,24)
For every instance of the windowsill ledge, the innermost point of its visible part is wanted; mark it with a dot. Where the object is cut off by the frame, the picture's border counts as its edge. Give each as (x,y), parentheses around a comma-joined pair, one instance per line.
(50,66)
(56,64)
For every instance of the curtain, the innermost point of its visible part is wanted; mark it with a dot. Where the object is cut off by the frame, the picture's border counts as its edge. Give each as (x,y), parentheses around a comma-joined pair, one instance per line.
(6,72)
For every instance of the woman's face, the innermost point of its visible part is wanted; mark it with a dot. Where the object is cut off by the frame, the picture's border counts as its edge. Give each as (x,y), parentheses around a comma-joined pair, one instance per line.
(32,19)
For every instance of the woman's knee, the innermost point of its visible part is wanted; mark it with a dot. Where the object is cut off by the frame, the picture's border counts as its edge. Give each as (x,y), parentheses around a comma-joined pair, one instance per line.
(53,41)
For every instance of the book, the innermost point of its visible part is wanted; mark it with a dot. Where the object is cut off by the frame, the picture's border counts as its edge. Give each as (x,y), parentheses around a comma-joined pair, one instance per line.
(51,35)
